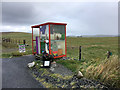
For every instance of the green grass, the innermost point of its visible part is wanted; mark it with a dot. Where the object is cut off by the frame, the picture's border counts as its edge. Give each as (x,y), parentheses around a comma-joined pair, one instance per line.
(12,49)
(71,64)
(94,47)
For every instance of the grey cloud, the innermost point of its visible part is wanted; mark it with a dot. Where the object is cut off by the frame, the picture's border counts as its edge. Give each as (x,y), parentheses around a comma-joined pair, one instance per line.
(17,13)
(82,18)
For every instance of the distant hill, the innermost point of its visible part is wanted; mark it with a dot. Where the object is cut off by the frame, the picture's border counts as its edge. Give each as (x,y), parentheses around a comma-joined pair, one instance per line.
(67,36)
(100,35)
(11,32)
(95,36)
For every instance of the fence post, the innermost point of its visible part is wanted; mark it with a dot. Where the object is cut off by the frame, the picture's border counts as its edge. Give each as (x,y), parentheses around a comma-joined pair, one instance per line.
(3,39)
(79,53)
(13,40)
(19,41)
(16,41)
(9,40)
(24,42)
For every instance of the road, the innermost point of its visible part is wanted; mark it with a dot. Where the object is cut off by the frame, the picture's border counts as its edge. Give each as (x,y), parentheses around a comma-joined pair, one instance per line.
(16,74)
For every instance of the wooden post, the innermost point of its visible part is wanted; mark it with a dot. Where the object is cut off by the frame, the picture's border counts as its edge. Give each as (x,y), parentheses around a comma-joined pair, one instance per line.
(79,53)
(3,39)
(13,40)
(19,41)
(16,41)
(24,42)
(6,40)
(9,40)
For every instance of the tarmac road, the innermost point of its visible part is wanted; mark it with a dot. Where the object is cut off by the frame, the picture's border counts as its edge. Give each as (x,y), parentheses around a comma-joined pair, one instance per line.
(16,74)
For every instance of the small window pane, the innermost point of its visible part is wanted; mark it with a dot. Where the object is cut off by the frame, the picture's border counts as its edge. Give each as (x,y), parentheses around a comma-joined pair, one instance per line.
(57,36)
(35,33)
(44,36)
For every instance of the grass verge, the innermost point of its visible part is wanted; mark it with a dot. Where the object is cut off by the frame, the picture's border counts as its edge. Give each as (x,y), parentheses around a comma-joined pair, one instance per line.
(105,71)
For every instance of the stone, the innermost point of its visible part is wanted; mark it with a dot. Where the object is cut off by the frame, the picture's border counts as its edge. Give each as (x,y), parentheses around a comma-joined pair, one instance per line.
(68,57)
(46,79)
(41,65)
(52,69)
(26,45)
(36,73)
(64,58)
(75,59)
(31,64)
(79,75)
(53,65)
(53,62)
(10,57)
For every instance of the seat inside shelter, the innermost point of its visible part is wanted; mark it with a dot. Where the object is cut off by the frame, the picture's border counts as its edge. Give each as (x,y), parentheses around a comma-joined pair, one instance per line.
(49,37)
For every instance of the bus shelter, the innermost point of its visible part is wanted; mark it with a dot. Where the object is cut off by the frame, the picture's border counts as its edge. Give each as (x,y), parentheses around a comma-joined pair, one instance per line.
(49,37)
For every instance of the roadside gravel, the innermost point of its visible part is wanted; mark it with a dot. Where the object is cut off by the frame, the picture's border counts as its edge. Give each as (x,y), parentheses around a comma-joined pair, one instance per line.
(58,82)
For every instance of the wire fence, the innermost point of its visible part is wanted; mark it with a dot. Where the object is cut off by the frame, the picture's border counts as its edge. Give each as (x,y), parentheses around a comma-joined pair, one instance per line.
(14,41)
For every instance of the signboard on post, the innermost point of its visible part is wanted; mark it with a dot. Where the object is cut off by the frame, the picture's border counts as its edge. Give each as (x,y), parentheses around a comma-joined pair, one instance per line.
(21,48)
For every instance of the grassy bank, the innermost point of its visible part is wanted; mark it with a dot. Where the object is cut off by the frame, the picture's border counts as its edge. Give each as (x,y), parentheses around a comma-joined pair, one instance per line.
(105,71)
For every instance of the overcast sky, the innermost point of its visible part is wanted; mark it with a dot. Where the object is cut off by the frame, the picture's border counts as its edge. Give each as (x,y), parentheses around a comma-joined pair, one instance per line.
(82,18)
